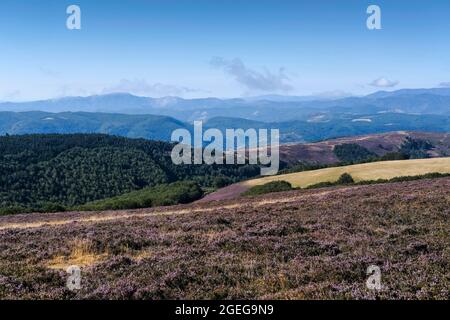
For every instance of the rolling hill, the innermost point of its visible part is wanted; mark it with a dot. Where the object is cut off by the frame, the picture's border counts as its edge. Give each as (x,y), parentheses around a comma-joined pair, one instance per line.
(150,127)
(360,172)
(52,172)
(379,144)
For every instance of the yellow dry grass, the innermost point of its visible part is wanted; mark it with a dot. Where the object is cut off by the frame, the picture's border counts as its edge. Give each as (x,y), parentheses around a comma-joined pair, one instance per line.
(141,255)
(359,172)
(137,255)
(106,218)
(82,255)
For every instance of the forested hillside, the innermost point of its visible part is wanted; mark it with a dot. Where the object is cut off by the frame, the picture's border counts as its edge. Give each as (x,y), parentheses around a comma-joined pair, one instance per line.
(49,172)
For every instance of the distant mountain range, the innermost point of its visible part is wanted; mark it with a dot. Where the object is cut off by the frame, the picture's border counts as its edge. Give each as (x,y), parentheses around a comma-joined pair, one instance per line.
(273,108)
(298,118)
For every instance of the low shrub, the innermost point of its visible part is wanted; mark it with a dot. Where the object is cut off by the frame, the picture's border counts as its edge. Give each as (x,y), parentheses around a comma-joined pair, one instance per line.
(162,195)
(50,207)
(13,210)
(345,178)
(394,156)
(274,186)
(221,181)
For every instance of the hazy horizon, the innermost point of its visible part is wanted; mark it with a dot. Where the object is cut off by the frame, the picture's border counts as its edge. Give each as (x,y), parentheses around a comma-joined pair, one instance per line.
(329,95)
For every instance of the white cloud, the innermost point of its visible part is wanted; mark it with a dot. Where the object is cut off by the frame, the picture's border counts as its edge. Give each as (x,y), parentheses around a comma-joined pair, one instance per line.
(264,80)
(143,88)
(384,83)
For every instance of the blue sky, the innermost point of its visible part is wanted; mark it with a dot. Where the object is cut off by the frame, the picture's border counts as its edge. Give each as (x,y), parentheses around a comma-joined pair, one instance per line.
(220,48)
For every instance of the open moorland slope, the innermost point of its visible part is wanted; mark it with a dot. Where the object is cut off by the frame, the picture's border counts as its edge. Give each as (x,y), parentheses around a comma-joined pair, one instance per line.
(379,144)
(301,244)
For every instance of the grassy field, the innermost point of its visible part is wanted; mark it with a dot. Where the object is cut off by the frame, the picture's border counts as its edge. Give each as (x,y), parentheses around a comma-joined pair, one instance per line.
(359,172)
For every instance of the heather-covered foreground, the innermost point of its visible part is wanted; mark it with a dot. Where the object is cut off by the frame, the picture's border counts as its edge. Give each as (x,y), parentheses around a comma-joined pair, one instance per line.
(296,245)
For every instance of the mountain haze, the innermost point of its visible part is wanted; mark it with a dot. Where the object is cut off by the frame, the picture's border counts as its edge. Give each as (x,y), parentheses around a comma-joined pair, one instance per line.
(265,108)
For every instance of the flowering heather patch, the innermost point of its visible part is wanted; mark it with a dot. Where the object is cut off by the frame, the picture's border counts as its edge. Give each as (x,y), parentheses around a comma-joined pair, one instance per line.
(306,244)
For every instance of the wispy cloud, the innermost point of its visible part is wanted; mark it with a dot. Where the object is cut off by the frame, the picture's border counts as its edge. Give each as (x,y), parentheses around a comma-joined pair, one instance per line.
(12,95)
(49,72)
(444,84)
(384,83)
(264,80)
(142,87)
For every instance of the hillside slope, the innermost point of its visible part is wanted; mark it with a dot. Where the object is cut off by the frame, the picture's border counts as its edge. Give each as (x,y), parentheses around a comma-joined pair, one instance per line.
(366,171)
(41,172)
(380,144)
(313,244)
(152,127)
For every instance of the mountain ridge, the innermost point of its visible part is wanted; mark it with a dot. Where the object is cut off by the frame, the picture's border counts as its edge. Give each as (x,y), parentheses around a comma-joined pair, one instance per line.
(410,101)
